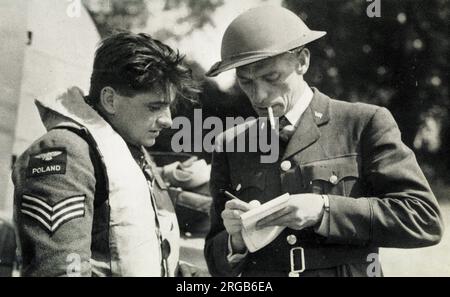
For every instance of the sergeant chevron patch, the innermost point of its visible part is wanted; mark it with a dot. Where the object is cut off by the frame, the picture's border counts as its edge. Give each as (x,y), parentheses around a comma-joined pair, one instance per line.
(51,217)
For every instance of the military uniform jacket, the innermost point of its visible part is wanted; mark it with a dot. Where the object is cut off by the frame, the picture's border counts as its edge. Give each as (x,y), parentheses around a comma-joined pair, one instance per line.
(83,203)
(378,195)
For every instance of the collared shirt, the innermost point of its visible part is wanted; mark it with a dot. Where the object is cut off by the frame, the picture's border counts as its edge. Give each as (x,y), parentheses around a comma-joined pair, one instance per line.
(294,114)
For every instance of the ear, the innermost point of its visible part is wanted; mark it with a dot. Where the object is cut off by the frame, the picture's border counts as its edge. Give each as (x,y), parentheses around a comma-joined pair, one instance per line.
(108,98)
(303,58)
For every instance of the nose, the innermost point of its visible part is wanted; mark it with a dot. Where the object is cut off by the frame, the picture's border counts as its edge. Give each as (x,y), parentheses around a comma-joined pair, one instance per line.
(164,120)
(259,93)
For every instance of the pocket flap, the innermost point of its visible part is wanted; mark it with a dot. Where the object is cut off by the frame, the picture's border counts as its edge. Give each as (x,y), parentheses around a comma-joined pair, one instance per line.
(332,171)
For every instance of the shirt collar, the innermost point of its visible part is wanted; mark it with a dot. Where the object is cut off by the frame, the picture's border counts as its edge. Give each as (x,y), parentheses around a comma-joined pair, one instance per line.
(301,105)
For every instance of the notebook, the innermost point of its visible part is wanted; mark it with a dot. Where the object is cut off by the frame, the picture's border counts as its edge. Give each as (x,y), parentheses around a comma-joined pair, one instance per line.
(257,239)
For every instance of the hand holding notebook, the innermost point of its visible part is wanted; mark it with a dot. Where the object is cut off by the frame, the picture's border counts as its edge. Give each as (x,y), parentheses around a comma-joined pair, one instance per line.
(256,239)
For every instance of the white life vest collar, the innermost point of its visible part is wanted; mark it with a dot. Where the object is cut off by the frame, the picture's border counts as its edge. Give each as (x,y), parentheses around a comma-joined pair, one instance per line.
(135,248)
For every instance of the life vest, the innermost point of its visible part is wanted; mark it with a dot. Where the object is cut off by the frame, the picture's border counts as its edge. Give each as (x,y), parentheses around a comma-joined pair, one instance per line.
(136,247)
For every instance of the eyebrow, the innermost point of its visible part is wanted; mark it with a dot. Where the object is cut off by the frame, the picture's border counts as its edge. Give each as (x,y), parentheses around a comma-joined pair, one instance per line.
(160,103)
(272,72)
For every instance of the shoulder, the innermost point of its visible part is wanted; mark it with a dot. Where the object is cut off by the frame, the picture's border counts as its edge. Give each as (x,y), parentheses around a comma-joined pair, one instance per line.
(360,114)
(56,140)
(369,121)
(57,156)
(353,109)
(59,137)
(346,113)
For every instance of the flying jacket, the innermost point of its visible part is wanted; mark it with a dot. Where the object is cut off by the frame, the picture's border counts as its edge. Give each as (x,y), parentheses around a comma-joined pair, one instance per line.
(86,203)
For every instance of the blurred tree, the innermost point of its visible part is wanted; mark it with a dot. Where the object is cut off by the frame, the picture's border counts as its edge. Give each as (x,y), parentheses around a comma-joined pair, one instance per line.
(399,60)
(199,11)
(109,15)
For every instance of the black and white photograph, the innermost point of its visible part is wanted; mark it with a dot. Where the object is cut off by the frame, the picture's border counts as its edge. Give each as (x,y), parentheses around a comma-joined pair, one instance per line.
(239,140)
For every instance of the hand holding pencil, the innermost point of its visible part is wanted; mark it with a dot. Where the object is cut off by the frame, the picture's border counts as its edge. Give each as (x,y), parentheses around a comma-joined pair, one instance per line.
(232,222)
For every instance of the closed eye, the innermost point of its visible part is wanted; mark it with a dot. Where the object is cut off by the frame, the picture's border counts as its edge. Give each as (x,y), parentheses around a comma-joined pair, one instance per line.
(272,77)
(157,107)
(243,80)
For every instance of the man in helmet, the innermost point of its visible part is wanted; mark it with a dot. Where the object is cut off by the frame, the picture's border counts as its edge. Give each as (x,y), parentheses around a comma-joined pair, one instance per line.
(353,185)
(88,200)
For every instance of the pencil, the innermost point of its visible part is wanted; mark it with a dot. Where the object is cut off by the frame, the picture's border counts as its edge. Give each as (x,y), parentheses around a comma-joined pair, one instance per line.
(229,195)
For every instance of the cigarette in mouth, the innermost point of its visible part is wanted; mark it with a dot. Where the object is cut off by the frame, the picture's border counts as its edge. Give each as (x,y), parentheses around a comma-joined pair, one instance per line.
(271,118)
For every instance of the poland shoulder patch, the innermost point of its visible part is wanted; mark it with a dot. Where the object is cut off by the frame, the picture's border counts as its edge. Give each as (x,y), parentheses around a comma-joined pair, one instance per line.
(49,161)
(51,217)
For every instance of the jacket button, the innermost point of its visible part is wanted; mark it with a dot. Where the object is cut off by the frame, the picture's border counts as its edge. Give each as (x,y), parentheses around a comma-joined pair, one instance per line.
(291,239)
(285,165)
(334,179)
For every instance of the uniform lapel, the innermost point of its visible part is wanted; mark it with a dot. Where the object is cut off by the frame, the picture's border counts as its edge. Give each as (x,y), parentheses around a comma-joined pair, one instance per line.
(308,132)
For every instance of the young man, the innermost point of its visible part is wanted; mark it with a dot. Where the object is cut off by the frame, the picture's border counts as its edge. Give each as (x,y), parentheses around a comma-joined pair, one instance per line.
(88,200)
(353,185)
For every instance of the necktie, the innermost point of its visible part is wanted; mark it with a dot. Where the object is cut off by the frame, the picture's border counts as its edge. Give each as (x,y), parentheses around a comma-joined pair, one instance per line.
(286,129)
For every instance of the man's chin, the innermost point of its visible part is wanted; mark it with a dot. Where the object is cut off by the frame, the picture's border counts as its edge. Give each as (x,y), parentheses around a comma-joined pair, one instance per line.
(148,142)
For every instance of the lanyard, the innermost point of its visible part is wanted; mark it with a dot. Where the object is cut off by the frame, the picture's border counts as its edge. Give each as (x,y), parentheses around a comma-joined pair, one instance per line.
(164,244)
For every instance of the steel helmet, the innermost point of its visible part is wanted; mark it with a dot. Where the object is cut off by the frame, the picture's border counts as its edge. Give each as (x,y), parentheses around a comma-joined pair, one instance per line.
(260,33)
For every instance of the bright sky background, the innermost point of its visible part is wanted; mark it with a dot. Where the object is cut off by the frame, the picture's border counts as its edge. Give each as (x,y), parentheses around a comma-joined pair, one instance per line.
(202,45)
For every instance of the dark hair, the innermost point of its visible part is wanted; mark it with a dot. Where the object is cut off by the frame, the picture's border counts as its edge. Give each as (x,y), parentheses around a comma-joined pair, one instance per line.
(134,63)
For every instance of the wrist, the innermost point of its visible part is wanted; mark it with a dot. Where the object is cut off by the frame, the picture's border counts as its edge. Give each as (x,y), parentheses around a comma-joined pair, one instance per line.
(324,207)
(323,226)
(326,202)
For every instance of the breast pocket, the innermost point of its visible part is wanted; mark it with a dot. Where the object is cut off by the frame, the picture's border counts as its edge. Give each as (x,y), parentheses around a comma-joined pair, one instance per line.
(338,176)
(250,185)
